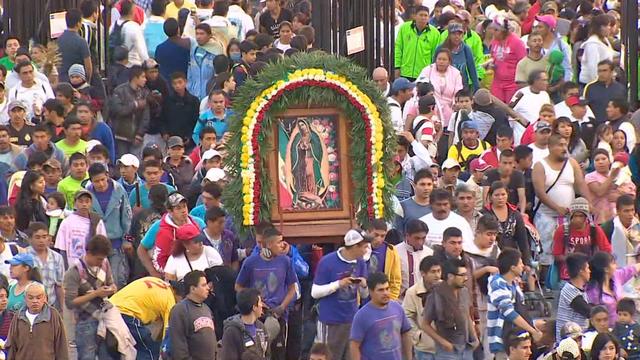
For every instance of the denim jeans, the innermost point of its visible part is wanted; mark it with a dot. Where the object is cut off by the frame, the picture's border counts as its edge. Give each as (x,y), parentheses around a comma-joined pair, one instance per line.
(147,348)
(441,354)
(87,344)
(119,267)
(420,355)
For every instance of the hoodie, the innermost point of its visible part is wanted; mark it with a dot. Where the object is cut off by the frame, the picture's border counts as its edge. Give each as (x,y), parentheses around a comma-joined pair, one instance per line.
(238,344)
(53,152)
(597,51)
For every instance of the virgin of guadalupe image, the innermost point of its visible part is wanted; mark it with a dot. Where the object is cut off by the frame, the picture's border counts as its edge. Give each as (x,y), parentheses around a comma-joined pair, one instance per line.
(306,167)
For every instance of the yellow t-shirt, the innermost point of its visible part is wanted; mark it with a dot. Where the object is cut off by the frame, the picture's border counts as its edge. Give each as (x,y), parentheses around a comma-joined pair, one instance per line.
(148,300)
(465,152)
(171,10)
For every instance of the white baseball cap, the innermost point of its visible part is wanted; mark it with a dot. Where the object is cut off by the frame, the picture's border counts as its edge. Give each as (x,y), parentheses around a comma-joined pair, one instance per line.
(353,237)
(210,154)
(215,174)
(92,143)
(129,160)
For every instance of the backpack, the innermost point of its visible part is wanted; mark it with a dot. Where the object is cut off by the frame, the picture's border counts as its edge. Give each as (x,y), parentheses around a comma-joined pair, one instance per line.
(465,162)
(116,38)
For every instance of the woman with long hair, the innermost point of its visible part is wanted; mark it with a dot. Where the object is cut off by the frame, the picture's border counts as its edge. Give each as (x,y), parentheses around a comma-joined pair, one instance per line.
(446,81)
(31,204)
(22,270)
(512,231)
(189,253)
(596,48)
(605,347)
(462,57)
(602,184)
(619,142)
(607,281)
(577,148)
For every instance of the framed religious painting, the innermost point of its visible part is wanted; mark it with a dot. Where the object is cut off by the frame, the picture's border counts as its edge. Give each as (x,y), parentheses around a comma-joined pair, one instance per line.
(311,164)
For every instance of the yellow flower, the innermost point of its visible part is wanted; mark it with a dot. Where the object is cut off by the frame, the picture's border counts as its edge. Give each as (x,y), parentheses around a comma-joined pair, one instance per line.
(248,198)
(244,137)
(246,208)
(247,121)
(244,158)
(380,182)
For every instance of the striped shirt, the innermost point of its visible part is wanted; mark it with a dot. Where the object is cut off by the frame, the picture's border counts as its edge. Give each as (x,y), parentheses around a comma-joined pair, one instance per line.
(501,308)
(565,312)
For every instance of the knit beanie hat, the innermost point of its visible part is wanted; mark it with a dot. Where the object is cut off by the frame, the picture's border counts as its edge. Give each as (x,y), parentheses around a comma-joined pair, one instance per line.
(579,205)
(77,70)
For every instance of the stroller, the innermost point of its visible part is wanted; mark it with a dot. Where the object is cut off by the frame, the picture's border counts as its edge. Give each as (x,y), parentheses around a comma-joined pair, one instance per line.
(540,303)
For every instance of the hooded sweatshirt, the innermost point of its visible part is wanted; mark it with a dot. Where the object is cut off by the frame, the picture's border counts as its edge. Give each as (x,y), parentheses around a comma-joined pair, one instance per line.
(594,52)
(192,332)
(238,344)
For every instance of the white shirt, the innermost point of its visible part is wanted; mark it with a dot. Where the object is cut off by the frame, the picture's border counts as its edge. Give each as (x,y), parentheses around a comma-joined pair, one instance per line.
(562,109)
(405,251)
(4,256)
(240,20)
(396,114)
(530,103)
(31,317)
(437,227)
(37,94)
(133,37)
(538,153)
(13,78)
(179,266)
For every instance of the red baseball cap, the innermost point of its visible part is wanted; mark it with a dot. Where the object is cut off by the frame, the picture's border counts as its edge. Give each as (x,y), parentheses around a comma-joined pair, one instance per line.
(187,232)
(576,100)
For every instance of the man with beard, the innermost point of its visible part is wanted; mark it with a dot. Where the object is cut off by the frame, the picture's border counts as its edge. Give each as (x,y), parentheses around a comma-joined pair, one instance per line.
(451,299)
(380,316)
(555,181)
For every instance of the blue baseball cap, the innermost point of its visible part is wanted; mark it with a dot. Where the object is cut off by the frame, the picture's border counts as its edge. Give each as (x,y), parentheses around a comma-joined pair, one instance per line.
(400,84)
(470,125)
(22,259)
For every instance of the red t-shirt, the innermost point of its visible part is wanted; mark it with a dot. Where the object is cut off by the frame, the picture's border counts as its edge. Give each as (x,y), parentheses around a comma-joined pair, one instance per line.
(579,242)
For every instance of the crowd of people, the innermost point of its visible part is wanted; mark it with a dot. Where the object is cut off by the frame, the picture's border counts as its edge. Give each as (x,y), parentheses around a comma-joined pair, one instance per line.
(516,170)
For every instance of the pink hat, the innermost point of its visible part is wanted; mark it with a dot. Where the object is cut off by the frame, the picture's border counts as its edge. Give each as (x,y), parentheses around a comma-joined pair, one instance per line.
(622,157)
(548,20)
(478,164)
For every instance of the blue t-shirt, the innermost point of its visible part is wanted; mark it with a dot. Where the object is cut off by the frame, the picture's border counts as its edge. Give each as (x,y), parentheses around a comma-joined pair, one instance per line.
(251,330)
(377,259)
(144,196)
(104,197)
(341,306)
(379,331)
(271,277)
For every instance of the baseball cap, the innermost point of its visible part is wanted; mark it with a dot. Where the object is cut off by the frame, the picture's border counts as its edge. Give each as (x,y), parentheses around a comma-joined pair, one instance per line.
(210,154)
(478,164)
(548,20)
(455,27)
(16,104)
(175,141)
(570,330)
(215,174)
(52,163)
(463,15)
(549,5)
(426,134)
(81,193)
(576,100)
(22,259)
(92,143)
(353,237)
(470,125)
(129,160)
(579,205)
(450,164)
(175,199)
(400,84)
(482,97)
(566,347)
(188,232)
(542,125)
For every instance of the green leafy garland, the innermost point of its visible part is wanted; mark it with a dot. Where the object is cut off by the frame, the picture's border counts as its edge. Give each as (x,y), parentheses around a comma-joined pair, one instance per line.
(311,97)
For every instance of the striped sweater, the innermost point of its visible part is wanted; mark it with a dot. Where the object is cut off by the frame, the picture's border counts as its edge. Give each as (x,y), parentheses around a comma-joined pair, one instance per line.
(500,308)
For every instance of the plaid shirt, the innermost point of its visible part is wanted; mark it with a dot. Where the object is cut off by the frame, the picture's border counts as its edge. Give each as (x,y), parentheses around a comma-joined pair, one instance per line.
(52,272)
(144,4)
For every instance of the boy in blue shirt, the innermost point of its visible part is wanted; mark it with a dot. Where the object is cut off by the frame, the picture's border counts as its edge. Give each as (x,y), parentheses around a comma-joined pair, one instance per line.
(217,117)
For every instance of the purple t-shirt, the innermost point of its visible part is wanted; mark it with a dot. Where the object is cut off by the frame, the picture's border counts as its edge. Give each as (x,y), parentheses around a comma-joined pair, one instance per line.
(379,331)
(341,306)
(271,277)
(376,261)
(620,277)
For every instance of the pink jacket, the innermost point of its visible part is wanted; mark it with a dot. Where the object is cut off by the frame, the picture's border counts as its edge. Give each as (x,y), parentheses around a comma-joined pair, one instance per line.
(445,88)
(506,55)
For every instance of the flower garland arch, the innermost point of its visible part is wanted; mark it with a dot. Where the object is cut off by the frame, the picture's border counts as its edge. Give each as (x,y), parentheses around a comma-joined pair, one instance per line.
(313,80)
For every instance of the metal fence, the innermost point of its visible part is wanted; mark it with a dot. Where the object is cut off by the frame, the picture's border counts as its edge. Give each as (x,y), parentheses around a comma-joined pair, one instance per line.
(333,18)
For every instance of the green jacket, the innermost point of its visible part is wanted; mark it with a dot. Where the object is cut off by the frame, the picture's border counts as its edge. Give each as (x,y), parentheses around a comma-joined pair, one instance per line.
(414,51)
(7,63)
(474,41)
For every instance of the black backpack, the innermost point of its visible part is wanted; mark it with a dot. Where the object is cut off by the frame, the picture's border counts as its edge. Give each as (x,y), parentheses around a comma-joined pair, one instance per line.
(116,39)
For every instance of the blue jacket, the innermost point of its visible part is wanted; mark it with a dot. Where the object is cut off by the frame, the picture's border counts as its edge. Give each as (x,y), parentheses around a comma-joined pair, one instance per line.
(199,71)
(117,218)
(299,265)
(208,118)
(154,35)
(102,132)
(20,162)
